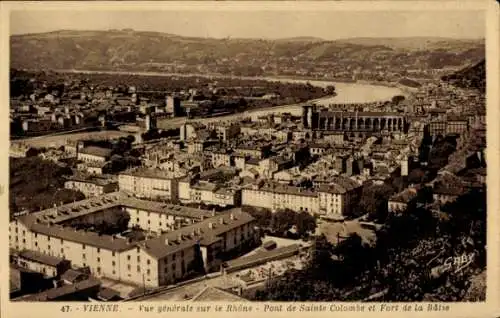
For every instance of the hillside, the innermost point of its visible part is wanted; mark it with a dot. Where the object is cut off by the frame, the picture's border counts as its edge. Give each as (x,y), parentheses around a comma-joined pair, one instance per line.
(469,77)
(415,43)
(152,51)
(37,184)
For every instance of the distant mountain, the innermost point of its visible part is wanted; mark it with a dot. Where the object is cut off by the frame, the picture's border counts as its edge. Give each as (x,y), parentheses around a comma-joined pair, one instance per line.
(417,43)
(129,50)
(301,39)
(470,77)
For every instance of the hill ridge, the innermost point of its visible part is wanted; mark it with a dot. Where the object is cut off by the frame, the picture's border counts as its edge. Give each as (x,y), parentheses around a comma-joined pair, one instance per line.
(128,49)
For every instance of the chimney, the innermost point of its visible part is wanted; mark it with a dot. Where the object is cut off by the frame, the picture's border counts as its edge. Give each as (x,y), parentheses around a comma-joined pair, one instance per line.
(221,220)
(180,237)
(210,225)
(166,241)
(213,212)
(232,216)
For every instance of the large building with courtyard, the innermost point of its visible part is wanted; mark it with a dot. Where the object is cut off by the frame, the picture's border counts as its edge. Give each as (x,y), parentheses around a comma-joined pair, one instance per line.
(179,241)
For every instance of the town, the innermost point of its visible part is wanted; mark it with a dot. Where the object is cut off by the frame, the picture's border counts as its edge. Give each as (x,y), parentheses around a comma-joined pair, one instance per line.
(348,176)
(201,199)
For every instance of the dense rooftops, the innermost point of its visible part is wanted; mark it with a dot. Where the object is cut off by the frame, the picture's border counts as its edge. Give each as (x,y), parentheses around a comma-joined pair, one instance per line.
(105,202)
(337,185)
(275,187)
(153,173)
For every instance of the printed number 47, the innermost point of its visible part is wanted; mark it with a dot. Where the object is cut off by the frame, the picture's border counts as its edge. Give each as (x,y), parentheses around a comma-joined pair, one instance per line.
(65,309)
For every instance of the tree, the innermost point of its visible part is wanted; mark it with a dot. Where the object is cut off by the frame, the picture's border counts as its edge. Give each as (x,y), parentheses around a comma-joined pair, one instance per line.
(262,216)
(282,220)
(374,200)
(397,99)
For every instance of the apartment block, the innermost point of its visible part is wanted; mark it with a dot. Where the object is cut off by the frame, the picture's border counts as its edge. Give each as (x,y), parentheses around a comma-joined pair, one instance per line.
(151,183)
(161,260)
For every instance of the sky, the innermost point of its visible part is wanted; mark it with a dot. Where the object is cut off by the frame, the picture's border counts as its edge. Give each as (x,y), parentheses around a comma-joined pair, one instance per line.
(272,24)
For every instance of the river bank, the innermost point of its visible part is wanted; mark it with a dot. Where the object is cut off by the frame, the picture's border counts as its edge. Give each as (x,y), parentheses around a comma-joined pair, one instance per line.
(347,92)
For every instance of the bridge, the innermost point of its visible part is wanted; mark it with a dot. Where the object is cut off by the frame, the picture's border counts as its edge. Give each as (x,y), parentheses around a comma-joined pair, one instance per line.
(353,121)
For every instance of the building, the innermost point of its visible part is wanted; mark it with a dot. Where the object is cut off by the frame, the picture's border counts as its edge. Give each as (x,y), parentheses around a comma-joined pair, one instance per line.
(93,168)
(94,154)
(173,106)
(338,198)
(159,217)
(400,201)
(49,266)
(437,127)
(446,193)
(160,260)
(226,132)
(221,157)
(335,199)
(318,149)
(209,294)
(198,146)
(405,165)
(334,137)
(275,196)
(209,193)
(353,122)
(457,125)
(150,183)
(254,151)
(91,186)
(269,166)
(189,130)
(80,291)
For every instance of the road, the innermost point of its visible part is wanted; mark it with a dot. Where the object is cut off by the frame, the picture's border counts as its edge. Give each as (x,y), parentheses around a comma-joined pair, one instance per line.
(190,290)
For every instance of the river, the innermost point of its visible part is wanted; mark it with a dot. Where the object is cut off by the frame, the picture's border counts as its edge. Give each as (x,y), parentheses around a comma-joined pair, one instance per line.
(347,93)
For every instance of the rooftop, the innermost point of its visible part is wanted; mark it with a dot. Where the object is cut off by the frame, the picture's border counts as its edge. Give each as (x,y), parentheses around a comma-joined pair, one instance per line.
(153,173)
(72,276)
(264,256)
(339,185)
(56,293)
(40,258)
(404,196)
(216,294)
(205,232)
(275,187)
